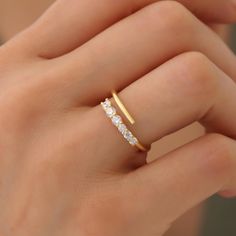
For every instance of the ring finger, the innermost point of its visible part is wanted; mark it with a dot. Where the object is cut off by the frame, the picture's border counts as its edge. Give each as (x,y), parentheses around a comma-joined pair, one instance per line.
(188,88)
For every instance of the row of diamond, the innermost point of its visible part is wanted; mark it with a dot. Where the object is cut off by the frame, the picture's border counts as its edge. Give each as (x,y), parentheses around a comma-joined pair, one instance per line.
(118,122)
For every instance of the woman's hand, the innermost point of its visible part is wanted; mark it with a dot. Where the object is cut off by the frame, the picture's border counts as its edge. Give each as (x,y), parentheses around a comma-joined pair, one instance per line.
(64,168)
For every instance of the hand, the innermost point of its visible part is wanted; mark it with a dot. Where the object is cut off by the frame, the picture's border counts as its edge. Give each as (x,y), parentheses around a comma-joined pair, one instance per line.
(64,168)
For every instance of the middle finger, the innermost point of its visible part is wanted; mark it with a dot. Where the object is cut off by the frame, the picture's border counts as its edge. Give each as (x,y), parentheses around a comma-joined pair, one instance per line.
(135,46)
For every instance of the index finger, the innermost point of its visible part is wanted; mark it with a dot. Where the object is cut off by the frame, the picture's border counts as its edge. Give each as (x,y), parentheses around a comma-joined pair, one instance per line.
(65,26)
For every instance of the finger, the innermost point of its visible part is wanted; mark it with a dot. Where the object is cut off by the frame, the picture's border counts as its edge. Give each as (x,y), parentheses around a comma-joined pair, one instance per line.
(135,46)
(186,89)
(67,26)
(183,178)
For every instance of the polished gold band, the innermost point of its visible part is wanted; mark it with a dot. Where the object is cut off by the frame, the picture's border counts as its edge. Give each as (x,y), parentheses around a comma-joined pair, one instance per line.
(141,147)
(122,107)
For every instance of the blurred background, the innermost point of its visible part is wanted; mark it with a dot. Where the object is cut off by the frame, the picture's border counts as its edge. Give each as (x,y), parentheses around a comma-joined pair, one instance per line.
(217,216)
(220,214)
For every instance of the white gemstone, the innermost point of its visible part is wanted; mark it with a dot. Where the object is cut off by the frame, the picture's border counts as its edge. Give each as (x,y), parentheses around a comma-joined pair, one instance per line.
(133,141)
(128,135)
(130,138)
(107,103)
(122,128)
(116,120)
(110,111)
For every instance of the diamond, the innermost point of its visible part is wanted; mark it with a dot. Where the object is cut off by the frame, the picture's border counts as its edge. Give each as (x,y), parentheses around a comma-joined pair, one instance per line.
(106,104)
(116,120)
(133,141)
(128,135)
(122,128)
(130,138)
(110,111)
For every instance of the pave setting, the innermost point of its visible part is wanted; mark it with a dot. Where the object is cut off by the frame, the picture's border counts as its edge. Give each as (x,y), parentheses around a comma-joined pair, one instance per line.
(118,122)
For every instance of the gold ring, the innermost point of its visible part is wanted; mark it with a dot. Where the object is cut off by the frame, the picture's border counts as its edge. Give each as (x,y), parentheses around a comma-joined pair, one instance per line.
(122,128)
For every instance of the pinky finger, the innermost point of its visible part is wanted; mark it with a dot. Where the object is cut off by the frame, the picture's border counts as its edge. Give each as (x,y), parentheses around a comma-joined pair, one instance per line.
(172,185)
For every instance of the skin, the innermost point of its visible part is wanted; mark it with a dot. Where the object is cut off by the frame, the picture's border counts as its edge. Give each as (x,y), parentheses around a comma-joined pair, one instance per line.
(52,125)
(9,28)
(22,20)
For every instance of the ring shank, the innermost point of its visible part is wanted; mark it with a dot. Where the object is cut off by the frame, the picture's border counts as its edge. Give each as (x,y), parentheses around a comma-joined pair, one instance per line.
(122,107)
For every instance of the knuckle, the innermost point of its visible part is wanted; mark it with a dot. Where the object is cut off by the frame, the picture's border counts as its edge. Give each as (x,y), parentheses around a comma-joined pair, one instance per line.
(196,59)
(227,15)
(195,74)
(171,13)
(220,158)
(170,6)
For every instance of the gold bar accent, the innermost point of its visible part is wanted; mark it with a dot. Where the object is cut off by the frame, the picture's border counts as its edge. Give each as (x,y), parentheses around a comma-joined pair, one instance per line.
(122,107)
